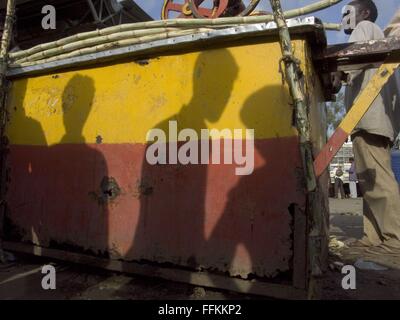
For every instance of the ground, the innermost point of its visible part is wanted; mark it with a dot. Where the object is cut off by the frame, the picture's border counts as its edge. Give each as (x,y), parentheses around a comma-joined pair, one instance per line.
(346,225)
(22,278)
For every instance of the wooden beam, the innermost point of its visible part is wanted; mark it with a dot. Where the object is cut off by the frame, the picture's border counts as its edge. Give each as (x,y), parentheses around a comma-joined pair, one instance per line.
(357,55)
(356,49)
(203,279)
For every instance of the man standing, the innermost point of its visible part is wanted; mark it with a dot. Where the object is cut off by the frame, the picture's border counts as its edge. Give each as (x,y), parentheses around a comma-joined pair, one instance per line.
(353,179)
(372,142)
(339,184)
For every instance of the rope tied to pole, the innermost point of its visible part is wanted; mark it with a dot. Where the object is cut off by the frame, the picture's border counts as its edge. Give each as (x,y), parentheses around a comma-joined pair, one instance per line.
(287,59)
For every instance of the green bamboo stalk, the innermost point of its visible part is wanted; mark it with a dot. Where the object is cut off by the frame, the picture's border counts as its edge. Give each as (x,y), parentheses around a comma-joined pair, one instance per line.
(292,72)
(291,75)
(332,26)
(6,39)
(112,45)
(5,44)
(175,23)
(314,7)
(110,38)
(92,42)
(111,41)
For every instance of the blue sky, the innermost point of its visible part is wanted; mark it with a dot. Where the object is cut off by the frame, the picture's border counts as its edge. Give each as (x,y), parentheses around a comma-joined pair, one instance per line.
(386,9)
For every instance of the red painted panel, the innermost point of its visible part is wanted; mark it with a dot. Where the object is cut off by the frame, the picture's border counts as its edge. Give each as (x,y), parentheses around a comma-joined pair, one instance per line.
(194,215)
(325,157)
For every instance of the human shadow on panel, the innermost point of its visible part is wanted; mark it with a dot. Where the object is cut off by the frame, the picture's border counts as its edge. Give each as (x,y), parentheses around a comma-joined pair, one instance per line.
(173,204)
(62,189)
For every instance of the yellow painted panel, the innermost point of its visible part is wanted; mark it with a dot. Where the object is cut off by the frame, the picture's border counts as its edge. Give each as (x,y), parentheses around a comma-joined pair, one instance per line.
(235,88)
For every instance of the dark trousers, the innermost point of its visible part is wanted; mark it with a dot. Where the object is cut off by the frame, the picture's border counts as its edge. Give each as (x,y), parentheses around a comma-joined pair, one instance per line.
(339,186)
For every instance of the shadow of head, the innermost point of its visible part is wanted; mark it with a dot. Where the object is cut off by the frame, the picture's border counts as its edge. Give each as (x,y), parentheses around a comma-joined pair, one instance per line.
(214,76)
(263,110)
(77,102)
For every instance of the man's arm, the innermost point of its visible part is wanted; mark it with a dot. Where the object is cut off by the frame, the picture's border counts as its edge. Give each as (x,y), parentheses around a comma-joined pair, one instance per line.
(364,31)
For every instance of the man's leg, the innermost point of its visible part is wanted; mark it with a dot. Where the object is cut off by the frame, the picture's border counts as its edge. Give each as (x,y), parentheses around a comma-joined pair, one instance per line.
(353,189)
(342,193)
(380,189)
(336,188)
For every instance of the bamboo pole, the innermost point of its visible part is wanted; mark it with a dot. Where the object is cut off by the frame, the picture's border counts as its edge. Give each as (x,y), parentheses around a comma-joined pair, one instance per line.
(314,7)
(94,41)
(292,76)
(176,23)
(5,44)
(112,38)
(6,39)
(112,41)
(332,26)
(112,45)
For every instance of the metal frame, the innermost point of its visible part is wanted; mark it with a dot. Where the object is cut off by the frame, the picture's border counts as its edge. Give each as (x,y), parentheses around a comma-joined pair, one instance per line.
(103,12)
(203,279)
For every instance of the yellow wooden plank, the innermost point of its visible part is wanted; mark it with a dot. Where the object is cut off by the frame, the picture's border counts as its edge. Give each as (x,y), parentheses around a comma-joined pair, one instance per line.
(368,96)
(355,114)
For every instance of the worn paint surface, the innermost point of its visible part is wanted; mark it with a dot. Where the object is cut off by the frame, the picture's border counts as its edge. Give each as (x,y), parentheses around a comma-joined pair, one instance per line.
(79,174)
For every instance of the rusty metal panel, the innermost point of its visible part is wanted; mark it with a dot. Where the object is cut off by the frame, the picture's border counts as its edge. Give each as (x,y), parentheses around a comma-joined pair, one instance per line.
(79,177)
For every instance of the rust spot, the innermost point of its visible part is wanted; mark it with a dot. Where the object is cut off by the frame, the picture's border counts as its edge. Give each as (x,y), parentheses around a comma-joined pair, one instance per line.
(110,188)
(142,62)
(109,191)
